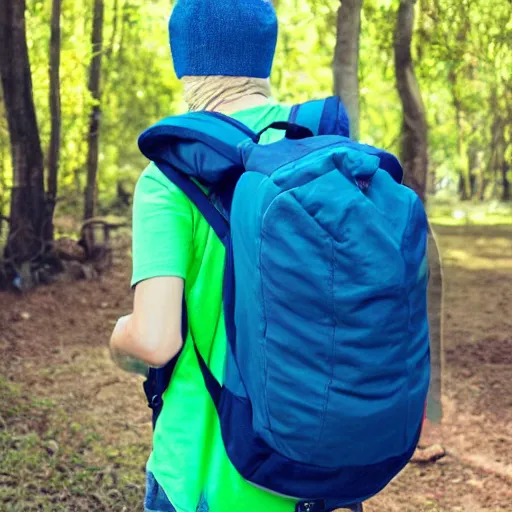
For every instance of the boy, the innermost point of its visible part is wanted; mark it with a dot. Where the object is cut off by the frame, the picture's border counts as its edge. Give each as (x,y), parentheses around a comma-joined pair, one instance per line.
(223,51)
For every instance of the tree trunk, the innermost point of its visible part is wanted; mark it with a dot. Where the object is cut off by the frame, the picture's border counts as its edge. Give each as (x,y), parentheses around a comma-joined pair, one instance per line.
(28,214)
(346,60)
(414,128)
(94,121)
(464,169)
(506,143)
(505,168)
(115,24)
(476,172)
(55,113)
(3,171)
(3,191)
(498,158)
(463,186)
(415,161)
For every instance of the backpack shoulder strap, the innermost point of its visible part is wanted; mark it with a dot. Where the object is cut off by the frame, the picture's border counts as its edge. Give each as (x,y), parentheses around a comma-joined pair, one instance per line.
(179,146)
(183,141)
(322,117)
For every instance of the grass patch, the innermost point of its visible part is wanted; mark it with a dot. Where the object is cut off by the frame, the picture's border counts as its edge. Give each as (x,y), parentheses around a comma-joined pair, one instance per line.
(50,462)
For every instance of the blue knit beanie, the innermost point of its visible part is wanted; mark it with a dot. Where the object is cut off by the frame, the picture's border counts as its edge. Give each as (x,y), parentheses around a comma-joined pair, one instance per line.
(223,37)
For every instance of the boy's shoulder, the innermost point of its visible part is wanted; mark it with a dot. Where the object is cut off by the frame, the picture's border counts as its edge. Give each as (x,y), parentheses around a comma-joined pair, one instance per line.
(153,181)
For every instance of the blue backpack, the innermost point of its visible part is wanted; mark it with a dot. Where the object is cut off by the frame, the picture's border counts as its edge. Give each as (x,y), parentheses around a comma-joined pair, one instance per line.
(325,288)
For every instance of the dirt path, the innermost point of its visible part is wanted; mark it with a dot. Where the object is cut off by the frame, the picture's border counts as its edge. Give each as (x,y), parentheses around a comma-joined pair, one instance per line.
(75,431)
(476,476)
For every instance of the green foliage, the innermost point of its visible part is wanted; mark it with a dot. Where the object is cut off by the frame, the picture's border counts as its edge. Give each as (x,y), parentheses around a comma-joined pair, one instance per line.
(463,57)
(302,67)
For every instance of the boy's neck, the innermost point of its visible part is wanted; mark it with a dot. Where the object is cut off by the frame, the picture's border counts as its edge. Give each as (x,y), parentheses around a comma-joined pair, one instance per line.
(244,103)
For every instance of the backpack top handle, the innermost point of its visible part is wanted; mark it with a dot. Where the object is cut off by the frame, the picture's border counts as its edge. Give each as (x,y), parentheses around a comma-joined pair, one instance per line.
(293,131)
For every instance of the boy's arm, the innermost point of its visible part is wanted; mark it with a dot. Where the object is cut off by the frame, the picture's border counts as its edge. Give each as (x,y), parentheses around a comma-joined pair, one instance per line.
(152,333)
(162,248)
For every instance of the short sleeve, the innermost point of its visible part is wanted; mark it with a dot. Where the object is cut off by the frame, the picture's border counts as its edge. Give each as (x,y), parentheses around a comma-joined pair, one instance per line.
(162,228)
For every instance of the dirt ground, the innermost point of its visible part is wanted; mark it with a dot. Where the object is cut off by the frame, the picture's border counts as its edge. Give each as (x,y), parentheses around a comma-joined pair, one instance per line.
(75,431)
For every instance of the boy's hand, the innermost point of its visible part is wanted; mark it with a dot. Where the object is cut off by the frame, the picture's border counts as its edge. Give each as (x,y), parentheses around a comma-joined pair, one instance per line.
(123,360)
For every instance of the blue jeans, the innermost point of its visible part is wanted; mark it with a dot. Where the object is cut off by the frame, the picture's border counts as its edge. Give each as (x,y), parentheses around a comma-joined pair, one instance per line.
(156,500)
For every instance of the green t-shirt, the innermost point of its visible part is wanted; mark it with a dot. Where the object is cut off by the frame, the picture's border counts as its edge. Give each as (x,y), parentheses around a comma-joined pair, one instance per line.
(171,238)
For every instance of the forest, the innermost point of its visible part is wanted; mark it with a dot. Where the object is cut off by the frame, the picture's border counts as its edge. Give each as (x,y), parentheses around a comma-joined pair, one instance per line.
(81,80)
(429,80)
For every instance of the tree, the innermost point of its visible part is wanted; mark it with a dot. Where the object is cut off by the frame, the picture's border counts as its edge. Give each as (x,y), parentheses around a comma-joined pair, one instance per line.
(498,158)
(346,60)
(414,144)
(28,213)
(95,116)
(414,149)
(55,112)
(462,59)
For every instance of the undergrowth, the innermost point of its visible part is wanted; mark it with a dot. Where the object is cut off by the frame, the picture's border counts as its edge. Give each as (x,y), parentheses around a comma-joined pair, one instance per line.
(50,461)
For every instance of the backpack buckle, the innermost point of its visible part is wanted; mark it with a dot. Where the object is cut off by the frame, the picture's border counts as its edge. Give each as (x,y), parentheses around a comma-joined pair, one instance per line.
(311,506)
(155,402)
(320,506)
